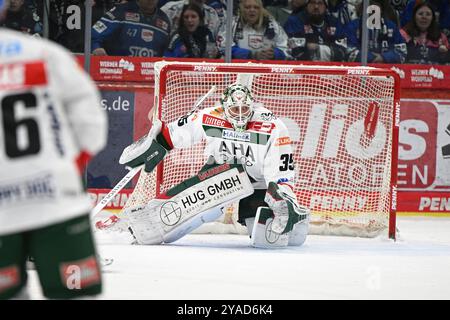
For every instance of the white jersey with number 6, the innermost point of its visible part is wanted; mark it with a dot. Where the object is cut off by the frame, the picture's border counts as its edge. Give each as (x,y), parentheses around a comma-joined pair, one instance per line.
(49,114)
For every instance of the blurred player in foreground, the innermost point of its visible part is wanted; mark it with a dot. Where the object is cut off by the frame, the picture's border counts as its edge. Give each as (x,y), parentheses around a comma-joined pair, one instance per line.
(51,123)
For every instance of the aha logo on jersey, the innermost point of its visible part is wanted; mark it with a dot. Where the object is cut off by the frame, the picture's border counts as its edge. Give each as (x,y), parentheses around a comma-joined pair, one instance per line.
(80,274)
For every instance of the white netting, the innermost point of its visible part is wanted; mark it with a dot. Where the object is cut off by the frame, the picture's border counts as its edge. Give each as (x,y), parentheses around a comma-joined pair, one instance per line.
(343,172)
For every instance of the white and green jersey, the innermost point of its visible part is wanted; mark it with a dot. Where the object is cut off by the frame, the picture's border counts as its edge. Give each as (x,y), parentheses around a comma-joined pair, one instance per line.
(265,148)
(49,113)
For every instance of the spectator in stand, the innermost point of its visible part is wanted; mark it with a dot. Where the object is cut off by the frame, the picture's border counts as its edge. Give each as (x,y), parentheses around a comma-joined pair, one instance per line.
(314,34)
(256,34)
(173,10)
(281,13)
(137,28)
(221,8)
(19,17)
(193,39)
(385,43)
(425,42)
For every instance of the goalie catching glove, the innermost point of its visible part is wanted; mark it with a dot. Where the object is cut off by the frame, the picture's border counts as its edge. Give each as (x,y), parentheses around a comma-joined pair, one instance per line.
(145,151)
(287,212)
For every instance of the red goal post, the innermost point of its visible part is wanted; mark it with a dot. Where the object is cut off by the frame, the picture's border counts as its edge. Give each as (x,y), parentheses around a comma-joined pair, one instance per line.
(343,124)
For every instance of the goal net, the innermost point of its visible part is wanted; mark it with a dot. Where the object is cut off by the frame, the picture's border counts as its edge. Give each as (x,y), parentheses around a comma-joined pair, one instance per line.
(343,123)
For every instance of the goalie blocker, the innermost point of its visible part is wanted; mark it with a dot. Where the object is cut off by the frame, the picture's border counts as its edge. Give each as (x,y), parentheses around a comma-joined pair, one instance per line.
(146,150)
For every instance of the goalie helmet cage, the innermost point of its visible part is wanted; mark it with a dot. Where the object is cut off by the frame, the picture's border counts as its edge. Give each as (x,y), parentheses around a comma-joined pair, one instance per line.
(343,123)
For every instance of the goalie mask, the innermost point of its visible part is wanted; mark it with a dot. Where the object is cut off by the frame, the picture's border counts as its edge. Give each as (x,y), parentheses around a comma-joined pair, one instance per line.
(237,103)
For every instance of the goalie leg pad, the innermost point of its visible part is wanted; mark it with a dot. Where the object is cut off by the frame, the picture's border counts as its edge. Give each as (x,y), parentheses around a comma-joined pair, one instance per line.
(187,227)
(262,235)
(144,225)
(189,204)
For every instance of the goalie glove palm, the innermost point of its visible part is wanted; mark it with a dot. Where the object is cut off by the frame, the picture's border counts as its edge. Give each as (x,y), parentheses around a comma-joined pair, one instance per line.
(146,150)
(287,212)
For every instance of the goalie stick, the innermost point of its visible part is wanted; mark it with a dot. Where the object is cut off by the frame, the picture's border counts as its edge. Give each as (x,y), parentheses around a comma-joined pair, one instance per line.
(127,178)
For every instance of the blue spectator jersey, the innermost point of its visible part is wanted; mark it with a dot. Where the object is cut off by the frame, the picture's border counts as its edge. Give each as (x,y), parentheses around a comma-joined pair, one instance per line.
(124,31)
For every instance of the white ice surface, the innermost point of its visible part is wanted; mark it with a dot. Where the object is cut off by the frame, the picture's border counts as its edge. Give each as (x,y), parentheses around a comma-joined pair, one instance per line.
(224,267)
